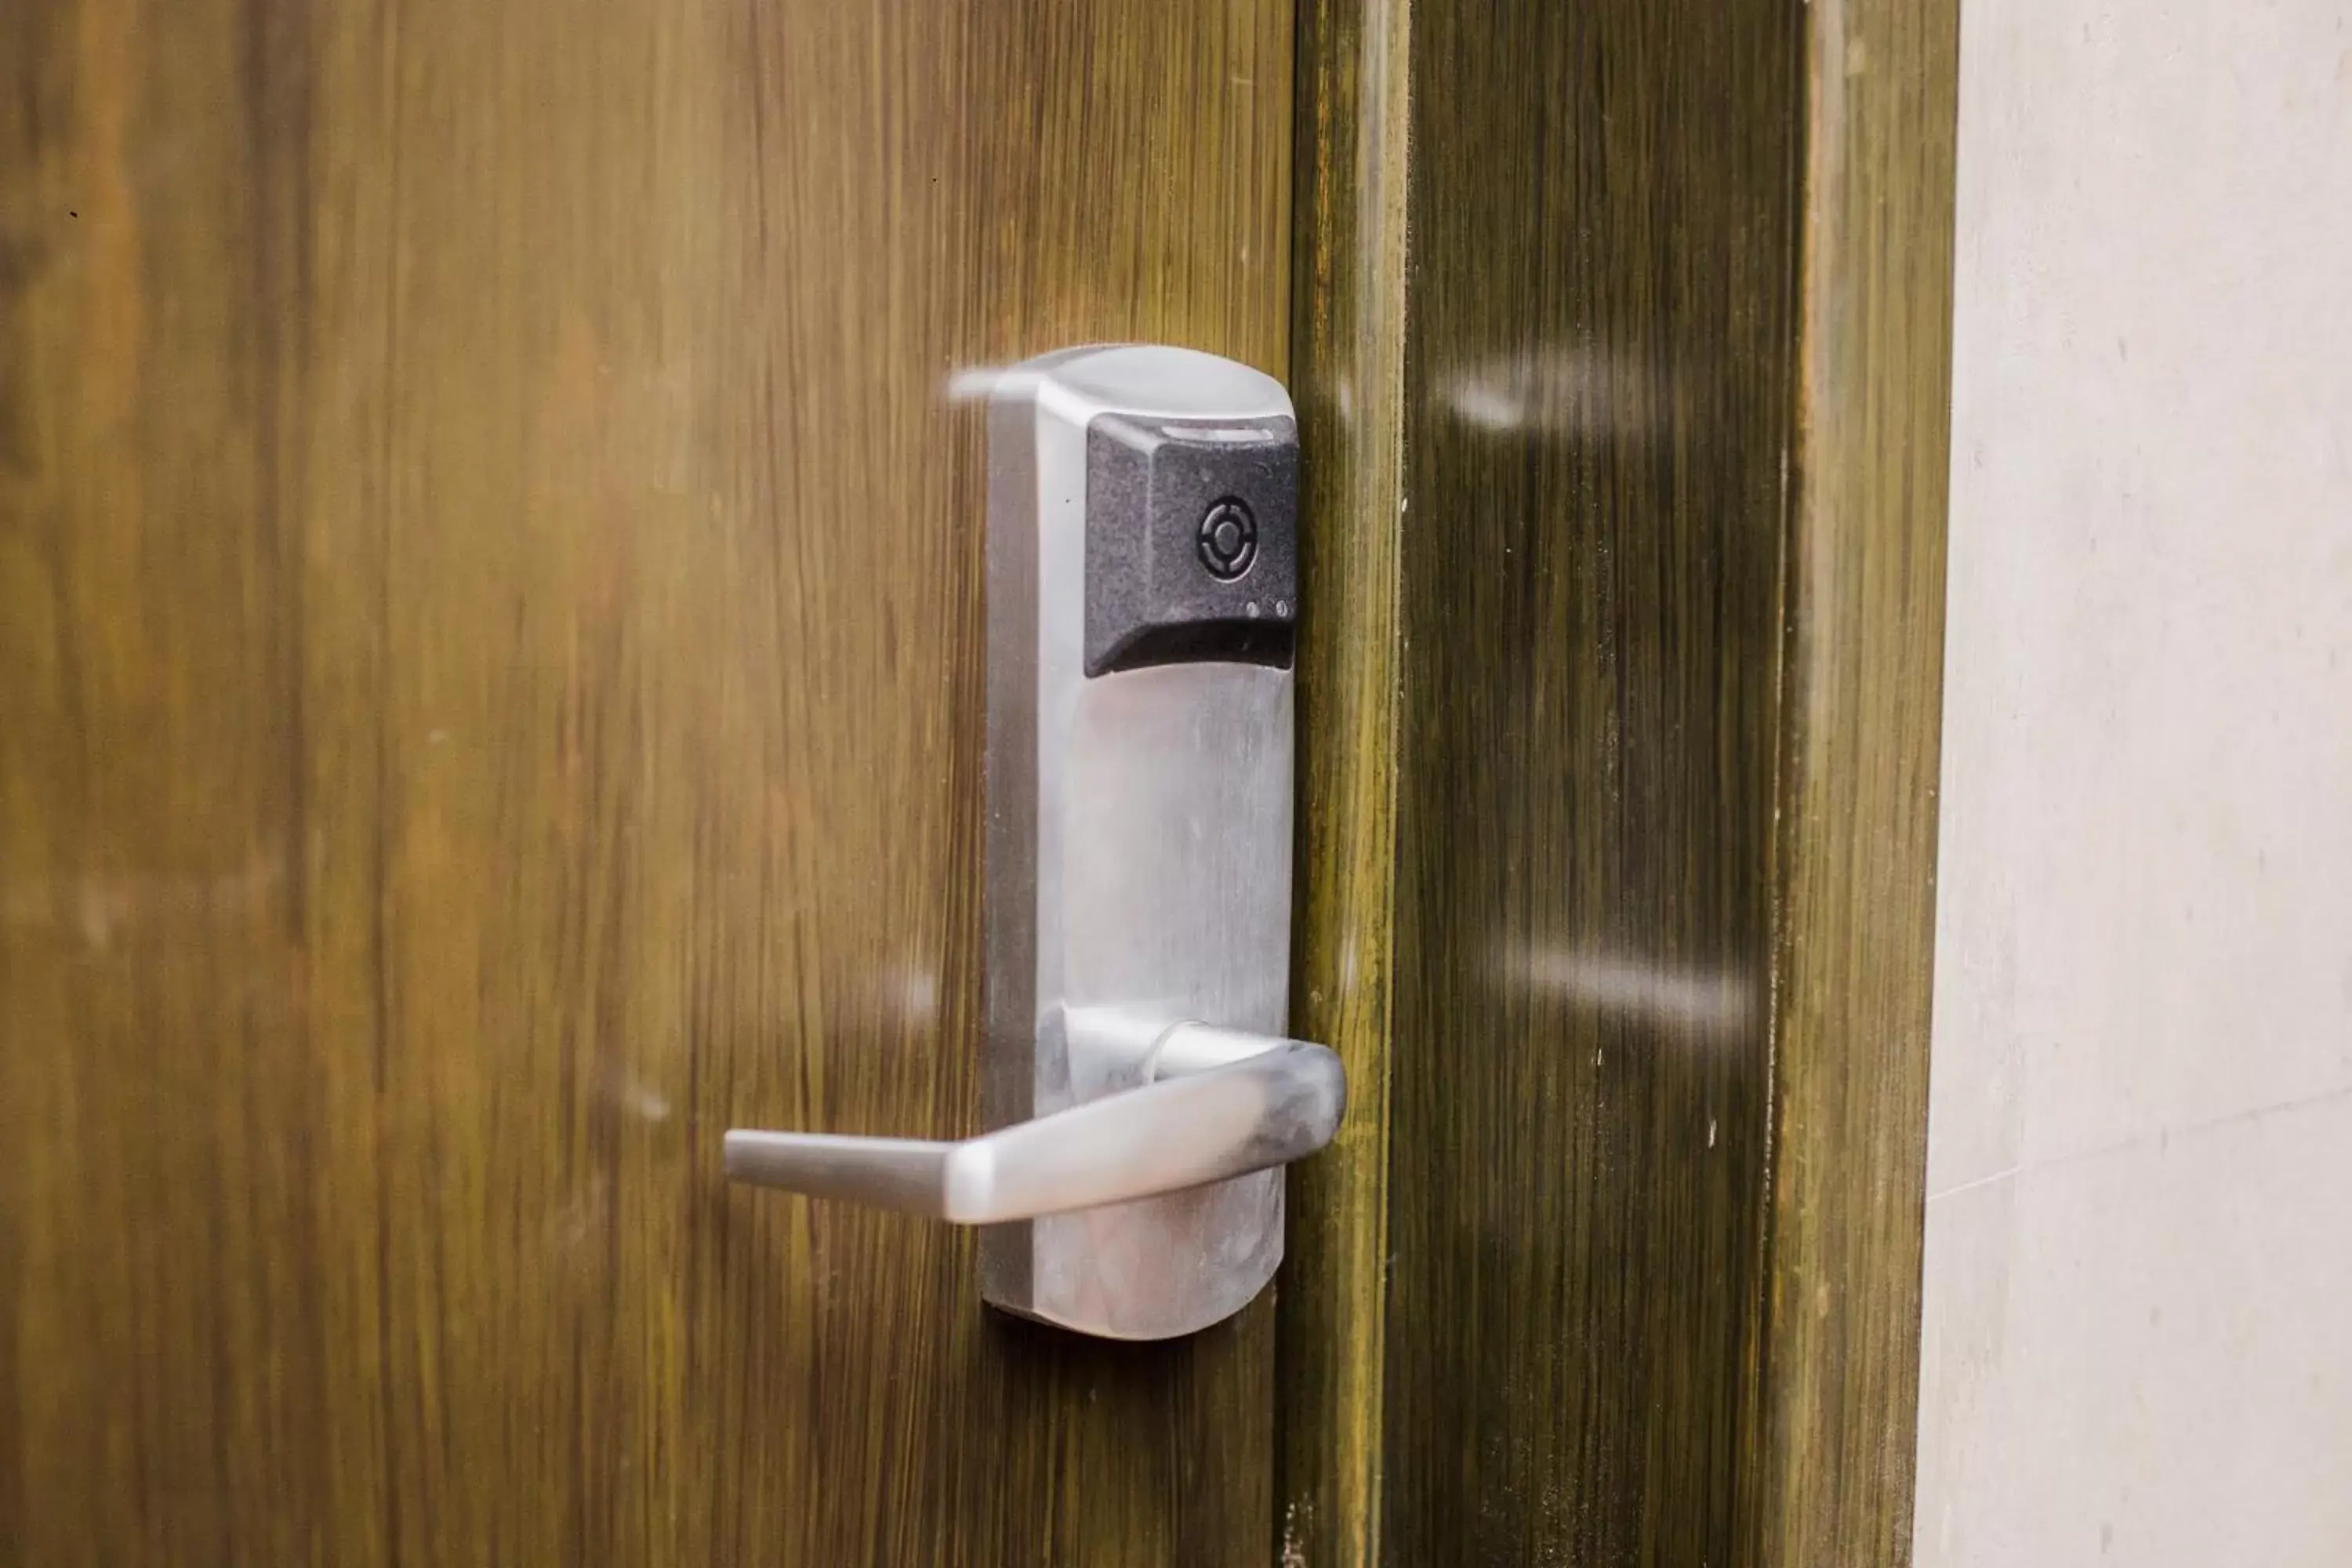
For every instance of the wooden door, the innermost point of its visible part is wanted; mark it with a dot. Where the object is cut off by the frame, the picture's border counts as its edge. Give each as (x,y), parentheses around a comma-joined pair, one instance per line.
(490,683)
(490,696)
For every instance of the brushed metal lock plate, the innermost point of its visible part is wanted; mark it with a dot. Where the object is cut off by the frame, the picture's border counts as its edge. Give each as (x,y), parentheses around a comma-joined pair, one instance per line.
(1138,818)
(1142,599)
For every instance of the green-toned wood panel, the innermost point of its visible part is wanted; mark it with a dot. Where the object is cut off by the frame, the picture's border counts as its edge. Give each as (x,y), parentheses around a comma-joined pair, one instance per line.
(1348,362)
(1832,1452)
(1600,388)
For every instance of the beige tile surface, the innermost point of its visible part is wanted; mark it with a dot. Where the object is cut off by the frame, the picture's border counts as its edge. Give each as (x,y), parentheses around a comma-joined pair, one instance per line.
(2143,1355)
(2139,1235)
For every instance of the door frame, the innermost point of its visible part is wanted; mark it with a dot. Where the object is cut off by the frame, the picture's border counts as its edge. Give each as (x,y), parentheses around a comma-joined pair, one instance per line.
(1863,94)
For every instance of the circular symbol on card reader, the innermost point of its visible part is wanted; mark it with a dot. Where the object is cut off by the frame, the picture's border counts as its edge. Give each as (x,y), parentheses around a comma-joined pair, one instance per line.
(1228,538)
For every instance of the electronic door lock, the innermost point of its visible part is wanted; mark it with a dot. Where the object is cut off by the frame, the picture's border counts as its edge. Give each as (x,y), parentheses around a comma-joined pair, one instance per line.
(1190,541)
(1143,598)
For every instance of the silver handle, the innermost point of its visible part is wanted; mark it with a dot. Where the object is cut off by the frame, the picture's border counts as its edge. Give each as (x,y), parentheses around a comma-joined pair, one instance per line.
(1221,1103)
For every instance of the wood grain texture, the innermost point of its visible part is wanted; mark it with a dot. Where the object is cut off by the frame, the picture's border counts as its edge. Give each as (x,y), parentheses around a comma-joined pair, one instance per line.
(1349,360)
(1600,397)
(1863,649)
(490,653)
(1674,295)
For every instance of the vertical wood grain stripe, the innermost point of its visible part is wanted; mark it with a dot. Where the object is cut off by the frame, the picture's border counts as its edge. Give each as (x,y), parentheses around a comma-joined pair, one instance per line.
(1863,652)
(1348,332)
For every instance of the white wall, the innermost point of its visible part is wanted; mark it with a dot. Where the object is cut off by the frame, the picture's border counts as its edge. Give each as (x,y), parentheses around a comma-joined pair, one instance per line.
(2138,1342)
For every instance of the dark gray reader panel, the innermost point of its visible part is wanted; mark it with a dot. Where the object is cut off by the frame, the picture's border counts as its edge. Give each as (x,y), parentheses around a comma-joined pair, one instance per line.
(1191,542)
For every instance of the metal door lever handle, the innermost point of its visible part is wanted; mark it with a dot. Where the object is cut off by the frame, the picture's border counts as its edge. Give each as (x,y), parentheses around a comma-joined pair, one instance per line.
(1219,1103)
(1143,600)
